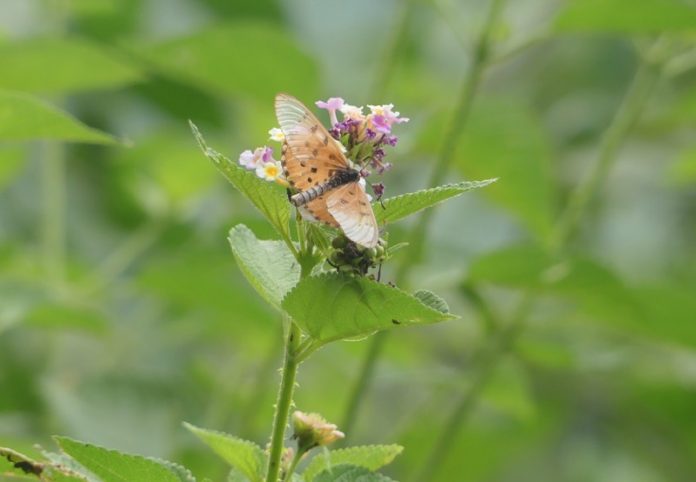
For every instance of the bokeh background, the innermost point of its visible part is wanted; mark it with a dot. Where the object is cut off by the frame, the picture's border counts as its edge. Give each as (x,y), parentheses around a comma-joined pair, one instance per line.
(122,312)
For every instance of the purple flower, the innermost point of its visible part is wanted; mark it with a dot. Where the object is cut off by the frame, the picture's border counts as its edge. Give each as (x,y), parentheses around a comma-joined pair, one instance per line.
(332,105)
(380,124)
(378,189)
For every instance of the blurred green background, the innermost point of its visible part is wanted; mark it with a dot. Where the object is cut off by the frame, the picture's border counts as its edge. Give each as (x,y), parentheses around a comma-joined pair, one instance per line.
(122,312)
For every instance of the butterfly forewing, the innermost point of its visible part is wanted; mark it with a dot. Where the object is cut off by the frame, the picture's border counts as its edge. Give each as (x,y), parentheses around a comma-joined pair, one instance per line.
(351,208)
(310,155)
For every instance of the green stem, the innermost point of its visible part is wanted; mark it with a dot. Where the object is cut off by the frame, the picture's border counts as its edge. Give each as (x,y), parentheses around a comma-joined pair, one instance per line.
(291,363)
(53,219)
(644,81)
(283,403)
(293,465)
(486,362)
(628,113)
(461,115)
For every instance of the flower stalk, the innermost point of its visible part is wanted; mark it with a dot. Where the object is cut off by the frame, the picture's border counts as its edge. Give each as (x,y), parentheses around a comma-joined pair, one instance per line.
(283,403)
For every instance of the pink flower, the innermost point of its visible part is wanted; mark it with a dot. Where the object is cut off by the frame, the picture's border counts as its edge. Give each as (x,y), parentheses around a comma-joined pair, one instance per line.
(260,156)
(332,105)
(382,117)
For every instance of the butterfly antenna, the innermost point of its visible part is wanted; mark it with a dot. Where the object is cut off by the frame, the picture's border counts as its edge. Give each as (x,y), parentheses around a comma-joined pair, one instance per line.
(379,272)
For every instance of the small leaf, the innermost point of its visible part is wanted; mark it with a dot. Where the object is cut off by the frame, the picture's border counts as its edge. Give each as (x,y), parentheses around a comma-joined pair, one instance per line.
(371,457)
(114,466)
(645,16)
(432,300)
(245,456)
(334,306)
(404,205)
(23,118)
(350,473)
(269,266)
(268,198)
(74,65)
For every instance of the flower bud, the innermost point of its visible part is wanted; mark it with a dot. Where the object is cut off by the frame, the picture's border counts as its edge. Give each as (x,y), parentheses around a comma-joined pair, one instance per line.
(311,430)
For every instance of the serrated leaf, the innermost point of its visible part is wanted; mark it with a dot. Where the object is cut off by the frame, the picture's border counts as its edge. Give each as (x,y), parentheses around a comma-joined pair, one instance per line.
(350,473)
(245,456)
(113,466)
(13,463)
(253,59)
(645,16)
(74,65)
(270,199)
(399,207)
(335,306)
(269,266)
(23,118)
(432,300)
(371,457)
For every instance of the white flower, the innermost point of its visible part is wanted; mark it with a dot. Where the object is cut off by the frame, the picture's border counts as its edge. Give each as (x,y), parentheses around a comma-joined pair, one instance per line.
(276,135)
(352,112)
(270,171)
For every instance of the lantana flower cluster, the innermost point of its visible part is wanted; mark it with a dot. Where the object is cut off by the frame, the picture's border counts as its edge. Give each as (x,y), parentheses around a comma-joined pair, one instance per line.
(363,135)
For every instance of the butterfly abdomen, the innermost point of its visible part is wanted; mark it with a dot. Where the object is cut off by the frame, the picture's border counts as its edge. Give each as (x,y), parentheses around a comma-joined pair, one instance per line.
(339,179)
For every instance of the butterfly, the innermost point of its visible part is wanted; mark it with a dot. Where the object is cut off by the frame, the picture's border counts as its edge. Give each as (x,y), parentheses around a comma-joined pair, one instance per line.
(314,164)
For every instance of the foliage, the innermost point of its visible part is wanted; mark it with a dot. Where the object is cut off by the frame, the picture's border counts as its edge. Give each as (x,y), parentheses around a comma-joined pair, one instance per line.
(123,312)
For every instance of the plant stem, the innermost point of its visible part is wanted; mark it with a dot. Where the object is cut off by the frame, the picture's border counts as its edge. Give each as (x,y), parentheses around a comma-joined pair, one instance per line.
(644,81)
(487,362)
(468,91)
(283,403)
(53,218)
(295,460)
(291,362)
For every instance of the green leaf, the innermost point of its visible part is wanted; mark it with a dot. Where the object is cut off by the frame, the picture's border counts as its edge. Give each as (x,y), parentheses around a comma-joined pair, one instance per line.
(404,205)
(13,463)
(23,118)
(114,466)
(371,457)
(334,306)
(350,473)
(269,266)
(253,59)
(504,139)
(245,456)
(269,198)
(432,300)
(74,65)
(645,16)
(653,312)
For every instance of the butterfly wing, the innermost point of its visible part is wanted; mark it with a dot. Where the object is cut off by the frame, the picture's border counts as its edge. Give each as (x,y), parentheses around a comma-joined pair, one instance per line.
(310,155)
(350,207)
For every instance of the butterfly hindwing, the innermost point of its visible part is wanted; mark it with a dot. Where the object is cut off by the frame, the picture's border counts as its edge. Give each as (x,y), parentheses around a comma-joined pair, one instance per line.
(351,208)
(310,155)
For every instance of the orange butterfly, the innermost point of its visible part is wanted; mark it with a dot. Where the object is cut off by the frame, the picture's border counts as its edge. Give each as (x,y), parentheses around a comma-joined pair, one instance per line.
(314,164)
